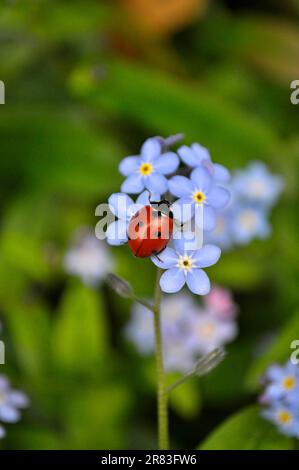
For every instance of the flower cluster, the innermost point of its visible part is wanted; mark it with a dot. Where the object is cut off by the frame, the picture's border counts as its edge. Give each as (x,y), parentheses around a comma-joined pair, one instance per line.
(281,398)
(189,330)
(254,192)
(195,198)
(10,403)
(88,258)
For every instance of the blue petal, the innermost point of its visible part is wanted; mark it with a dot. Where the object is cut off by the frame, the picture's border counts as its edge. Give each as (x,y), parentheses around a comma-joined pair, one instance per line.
(218,197)
(221,173)
(275,372)
(180,186)
(188,156)
(183,209)
(156,183)
(198,282)
(133,184)
(119,204)
(172,280)
(166,259)
(146,197)
(207,256)
(201,152)
(150,150)
(167,163)
(202,179)
(188,241)
(116,233)
(128,165)
(8,414)
(206,220)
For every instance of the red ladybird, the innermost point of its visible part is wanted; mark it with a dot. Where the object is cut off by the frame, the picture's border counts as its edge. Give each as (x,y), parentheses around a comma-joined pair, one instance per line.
(150,229)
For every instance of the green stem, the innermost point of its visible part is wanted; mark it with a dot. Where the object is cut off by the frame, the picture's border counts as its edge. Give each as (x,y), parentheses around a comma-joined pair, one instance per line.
(162,394)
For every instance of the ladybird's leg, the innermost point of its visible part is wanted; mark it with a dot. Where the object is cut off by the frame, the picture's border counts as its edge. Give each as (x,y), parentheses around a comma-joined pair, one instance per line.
(158,258)
(157,253)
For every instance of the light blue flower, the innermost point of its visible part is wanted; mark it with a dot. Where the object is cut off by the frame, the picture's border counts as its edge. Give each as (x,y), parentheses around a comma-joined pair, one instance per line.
(285,417)
(255,183)
(188,331)
(123,207)
(198,196)
(11,401)
(148,169)
(197,155)
(283,383)
(281,396)
(248,222)
(185,267)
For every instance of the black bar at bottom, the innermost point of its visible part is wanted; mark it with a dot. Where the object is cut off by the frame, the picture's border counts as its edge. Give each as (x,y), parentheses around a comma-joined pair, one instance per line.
(137,459)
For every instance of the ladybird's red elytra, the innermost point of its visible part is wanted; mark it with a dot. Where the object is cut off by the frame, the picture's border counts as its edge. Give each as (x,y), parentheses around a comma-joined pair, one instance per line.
(150,229)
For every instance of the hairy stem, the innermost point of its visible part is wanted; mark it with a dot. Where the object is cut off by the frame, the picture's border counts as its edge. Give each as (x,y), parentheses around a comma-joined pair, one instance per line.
(162,394)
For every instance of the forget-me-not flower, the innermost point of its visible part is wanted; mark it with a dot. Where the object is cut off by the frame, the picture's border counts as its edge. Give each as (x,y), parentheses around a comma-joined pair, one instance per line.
(281,397)
(209,332)
(148,170)
(248,222)
(200,196)
(255,183)
(285,417)
(283,383)
(88,258)
(185,267)
(11,401)
(188,331)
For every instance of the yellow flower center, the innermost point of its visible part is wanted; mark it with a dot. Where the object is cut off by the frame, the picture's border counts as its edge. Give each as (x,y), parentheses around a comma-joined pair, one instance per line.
(284,417)
(145,169)
(199,197)
(289,383)
(185,262)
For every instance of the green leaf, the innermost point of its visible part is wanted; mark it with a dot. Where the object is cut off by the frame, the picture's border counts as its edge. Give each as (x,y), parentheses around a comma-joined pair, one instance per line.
(63,153)
(79,341)
(246,430)
(170,106)
(29,328)
(278,352)
(95,417)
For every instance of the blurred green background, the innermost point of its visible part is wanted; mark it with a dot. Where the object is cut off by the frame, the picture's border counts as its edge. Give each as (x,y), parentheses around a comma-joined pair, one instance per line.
(86,82)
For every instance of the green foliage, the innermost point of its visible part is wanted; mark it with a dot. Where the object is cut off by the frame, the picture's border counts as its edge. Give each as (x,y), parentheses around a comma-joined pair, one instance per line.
(279,352)
(79,341)
(246,430)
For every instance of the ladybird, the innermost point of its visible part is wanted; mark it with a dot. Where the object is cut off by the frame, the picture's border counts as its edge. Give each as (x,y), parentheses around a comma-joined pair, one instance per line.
(150,229)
